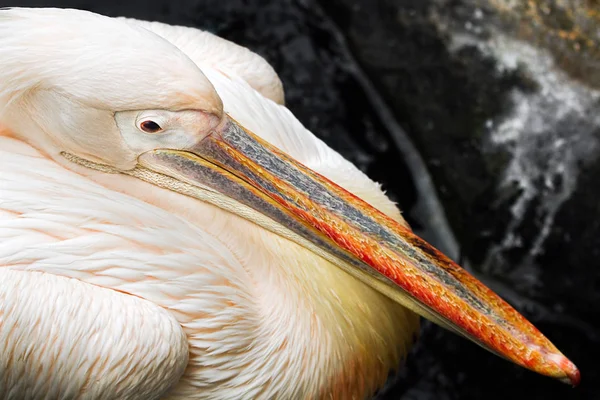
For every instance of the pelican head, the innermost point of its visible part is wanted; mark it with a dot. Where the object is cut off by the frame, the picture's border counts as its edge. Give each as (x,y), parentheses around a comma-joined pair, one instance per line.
(125,101)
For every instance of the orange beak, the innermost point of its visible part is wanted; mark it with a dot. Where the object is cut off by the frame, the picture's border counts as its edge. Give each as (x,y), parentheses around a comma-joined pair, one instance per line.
(360,239)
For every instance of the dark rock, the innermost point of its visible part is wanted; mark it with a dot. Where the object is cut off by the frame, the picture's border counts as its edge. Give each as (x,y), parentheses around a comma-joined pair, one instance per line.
(492,103)
(510,132)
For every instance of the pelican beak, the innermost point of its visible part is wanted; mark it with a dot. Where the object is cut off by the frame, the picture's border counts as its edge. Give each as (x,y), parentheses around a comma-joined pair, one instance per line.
(378,250)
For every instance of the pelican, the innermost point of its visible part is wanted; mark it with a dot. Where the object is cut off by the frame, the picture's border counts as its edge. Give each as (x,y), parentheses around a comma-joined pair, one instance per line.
(168,229)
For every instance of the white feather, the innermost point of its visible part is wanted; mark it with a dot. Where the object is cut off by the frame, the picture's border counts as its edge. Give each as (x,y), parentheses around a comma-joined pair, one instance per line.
(208,50)
(125,347)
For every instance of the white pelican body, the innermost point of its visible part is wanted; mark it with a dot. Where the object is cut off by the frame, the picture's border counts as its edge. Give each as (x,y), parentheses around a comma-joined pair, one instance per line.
(244,310)
(119,280)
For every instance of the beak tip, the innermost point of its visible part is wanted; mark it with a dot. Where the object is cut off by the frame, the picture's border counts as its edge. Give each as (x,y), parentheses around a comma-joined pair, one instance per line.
(573,376)
(570,373)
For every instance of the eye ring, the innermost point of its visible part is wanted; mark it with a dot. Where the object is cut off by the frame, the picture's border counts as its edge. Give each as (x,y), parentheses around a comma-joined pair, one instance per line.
(150,126)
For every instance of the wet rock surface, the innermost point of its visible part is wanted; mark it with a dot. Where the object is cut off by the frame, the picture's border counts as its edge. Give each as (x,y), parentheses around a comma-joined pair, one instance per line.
(482,120)
(509,131)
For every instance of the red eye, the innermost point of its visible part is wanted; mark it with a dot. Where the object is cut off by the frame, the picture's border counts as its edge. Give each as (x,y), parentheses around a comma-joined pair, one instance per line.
(150,127)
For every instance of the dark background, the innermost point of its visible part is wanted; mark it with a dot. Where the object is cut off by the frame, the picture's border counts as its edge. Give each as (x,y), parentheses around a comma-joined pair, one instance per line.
(481,119)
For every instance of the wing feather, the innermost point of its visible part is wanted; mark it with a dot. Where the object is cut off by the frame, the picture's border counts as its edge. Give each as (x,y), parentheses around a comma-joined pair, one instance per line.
(61,338)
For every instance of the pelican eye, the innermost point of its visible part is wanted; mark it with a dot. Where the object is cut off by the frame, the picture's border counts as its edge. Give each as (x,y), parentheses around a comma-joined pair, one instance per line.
(150,127)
